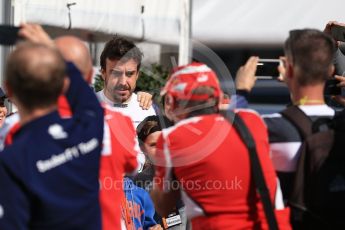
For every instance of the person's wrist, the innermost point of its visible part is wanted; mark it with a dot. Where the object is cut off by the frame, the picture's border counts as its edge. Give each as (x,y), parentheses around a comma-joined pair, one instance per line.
(244,84)
(242,92)
(243,88)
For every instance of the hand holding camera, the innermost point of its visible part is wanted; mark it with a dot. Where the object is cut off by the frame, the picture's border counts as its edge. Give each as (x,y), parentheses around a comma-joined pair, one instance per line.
(10,35)
(340,84)
(245,76)
(336,30)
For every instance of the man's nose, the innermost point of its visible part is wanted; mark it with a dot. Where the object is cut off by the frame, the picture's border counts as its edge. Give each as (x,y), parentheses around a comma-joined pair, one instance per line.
(122,80)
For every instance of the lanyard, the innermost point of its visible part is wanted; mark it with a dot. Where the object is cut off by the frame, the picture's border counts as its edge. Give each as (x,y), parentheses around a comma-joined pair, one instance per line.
(305,100)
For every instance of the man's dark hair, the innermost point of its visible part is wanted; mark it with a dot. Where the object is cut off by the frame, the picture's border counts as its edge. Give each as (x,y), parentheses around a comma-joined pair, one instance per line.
(120,48)
(35,74)
(312,53)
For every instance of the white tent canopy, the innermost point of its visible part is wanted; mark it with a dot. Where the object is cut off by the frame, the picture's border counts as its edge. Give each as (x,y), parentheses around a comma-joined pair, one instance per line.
(152,20)
(261,22)
(218,22)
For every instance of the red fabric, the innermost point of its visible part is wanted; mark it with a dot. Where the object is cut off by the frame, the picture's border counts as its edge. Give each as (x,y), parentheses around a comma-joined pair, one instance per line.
(63,107)
(223,222)
(121,159)
(10,134)
(213,169)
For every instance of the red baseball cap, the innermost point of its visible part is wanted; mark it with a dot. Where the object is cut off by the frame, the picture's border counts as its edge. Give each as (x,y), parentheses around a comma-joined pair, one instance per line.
(185,79)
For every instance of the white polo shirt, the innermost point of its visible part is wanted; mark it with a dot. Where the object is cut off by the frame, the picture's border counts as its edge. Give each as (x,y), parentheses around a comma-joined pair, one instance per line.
(133,110)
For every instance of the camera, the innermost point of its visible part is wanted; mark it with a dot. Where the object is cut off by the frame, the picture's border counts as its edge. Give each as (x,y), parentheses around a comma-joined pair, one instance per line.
(338,32)
(8,35)
(331,87)
(268,68)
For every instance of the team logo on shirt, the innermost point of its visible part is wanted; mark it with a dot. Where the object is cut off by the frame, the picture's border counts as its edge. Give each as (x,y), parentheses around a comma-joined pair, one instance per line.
(57,132)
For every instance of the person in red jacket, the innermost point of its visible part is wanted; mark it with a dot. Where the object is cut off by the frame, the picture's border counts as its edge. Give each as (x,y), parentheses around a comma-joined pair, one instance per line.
(203,160)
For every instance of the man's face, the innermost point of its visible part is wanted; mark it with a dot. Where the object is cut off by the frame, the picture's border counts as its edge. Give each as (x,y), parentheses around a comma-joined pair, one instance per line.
(120,79)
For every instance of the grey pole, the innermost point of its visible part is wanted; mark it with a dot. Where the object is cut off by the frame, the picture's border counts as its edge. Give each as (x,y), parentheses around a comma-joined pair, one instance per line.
(6,17)
(185,45)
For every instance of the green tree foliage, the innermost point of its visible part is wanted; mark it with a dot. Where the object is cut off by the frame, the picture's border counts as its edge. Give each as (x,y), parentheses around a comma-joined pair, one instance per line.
(98,85)
(152,79)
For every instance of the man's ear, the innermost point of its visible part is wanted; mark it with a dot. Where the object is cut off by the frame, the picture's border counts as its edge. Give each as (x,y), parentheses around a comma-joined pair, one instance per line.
(103,74)
(9,93)
(66,83)
(138,74)
(8,90)
(289,70)
(169,101)
(331,70)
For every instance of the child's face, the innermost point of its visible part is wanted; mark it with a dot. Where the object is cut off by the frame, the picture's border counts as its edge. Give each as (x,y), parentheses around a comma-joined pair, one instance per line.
(150,143)
(3,113)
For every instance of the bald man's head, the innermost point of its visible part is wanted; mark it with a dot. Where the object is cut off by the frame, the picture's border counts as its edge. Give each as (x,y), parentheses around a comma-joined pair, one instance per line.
(74,50)
(35,75)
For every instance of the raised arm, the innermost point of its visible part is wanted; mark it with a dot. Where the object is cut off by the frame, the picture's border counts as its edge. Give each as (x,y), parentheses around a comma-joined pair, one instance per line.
(80,96)
(245,81)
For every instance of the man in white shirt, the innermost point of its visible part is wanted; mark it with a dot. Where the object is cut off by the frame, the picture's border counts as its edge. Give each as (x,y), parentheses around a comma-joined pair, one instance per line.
(120,64)
(308,65)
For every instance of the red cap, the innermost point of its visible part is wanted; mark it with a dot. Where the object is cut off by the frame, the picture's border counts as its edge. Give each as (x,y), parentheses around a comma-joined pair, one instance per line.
(185,79)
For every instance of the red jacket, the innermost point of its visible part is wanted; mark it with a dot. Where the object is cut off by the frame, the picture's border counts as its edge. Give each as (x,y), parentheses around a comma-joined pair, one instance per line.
(212,167)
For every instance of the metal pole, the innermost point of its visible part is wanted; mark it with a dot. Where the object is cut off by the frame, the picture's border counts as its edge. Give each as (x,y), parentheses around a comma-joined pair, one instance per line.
(185,45)
(2,56)
(5,18)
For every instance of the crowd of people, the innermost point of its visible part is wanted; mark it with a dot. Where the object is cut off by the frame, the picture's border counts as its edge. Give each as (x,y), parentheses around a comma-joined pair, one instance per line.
(72,158)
